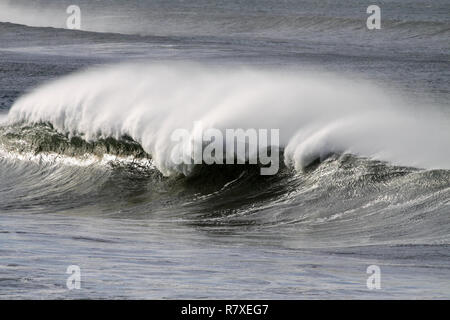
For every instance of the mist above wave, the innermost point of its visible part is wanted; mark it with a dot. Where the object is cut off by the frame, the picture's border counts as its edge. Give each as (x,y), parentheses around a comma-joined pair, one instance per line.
(317,114)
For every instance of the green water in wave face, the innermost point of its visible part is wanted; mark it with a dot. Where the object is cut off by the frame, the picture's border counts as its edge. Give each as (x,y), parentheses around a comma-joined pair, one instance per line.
(42,138)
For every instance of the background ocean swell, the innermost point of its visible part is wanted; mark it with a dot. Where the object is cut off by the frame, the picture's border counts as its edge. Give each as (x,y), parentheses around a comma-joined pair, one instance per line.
(233,17)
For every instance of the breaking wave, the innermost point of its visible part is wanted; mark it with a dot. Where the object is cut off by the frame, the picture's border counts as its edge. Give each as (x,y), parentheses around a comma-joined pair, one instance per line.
(360,166)
(134,108)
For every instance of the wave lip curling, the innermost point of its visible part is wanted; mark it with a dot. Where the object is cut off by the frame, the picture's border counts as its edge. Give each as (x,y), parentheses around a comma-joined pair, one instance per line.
(317,114)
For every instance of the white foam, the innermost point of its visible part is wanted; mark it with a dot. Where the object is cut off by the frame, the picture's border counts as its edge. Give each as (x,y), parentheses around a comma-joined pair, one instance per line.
(316,114)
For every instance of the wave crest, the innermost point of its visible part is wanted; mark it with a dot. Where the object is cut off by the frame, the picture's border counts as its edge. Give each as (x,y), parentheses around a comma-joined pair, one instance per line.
(316,114)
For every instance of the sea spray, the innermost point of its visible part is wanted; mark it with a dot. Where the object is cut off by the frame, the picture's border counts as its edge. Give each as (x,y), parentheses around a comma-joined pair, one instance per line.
(317,114)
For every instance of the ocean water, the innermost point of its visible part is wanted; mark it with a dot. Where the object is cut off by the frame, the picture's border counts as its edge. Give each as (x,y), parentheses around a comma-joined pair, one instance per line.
(86,176)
